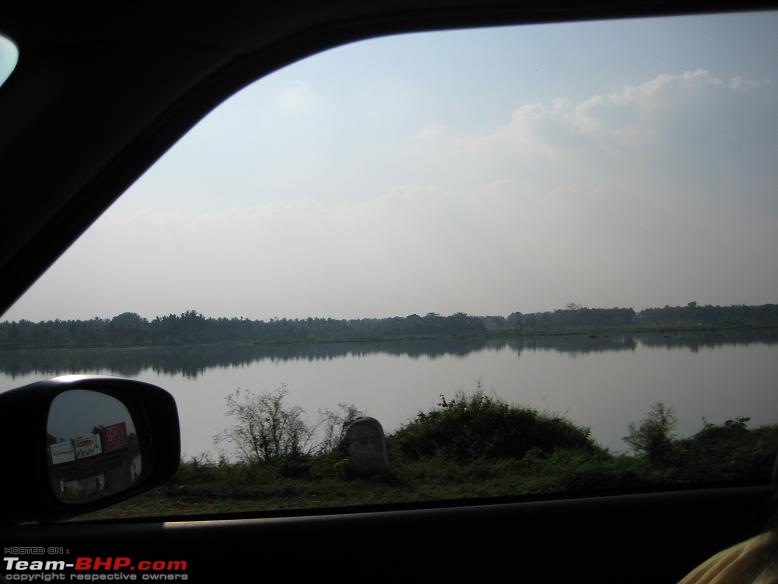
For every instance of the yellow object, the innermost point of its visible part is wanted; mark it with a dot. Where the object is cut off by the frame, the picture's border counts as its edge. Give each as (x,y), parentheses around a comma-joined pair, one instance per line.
(745,563)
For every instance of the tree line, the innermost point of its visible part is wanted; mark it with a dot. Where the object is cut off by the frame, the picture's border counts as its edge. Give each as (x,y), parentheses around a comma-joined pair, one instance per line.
(191,327)
(576,317)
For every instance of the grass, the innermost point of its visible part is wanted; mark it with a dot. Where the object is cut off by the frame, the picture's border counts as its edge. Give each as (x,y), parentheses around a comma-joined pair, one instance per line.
(470,447)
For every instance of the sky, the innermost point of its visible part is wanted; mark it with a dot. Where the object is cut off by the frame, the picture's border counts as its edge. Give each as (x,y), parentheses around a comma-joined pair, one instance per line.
(619,163)
(77,412)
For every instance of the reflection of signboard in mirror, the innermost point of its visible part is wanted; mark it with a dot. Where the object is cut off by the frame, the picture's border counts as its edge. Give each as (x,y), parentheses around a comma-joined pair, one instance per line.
(88,445)
(101,454)
(113,437)
(61,452)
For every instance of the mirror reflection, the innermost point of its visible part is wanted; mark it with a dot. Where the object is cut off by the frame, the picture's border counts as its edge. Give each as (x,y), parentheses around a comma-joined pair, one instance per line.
(92,446)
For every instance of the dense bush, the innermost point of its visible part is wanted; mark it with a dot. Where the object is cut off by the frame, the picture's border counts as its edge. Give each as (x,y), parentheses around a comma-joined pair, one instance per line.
(718,452)
(726,452)
(477,426)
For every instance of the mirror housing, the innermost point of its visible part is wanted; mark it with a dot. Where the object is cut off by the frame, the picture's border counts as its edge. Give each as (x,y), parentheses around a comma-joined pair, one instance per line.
(121,440)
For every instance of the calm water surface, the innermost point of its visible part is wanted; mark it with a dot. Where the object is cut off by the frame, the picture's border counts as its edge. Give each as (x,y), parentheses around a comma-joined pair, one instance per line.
(603,383)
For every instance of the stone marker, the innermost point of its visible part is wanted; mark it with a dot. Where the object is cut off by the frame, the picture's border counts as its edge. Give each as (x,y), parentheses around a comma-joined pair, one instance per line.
(367,447)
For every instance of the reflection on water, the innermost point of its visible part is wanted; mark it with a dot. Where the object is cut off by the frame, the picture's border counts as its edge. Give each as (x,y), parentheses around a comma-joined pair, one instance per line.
(602,382)
(191,361)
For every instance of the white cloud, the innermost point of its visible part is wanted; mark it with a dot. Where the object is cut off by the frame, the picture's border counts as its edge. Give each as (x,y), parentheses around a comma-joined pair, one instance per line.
(626,118)
(740,83)
(655,194)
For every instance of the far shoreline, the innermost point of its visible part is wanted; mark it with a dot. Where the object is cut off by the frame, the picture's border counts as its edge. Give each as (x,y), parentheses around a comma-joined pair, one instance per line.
(594,333)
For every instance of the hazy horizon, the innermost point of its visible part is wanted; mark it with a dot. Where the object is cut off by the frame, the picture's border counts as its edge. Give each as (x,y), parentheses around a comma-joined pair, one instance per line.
(611,164)
(372,316)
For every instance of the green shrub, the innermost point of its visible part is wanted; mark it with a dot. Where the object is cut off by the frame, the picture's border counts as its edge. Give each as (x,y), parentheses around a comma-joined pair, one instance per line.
(266,430)
(477,426)
(728,451)
(653,436)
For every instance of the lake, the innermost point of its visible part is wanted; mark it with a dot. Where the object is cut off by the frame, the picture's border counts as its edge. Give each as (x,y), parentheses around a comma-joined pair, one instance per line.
(602,382)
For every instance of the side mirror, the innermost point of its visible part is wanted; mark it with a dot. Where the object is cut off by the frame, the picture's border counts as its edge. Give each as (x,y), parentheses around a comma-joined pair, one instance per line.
(79,443)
